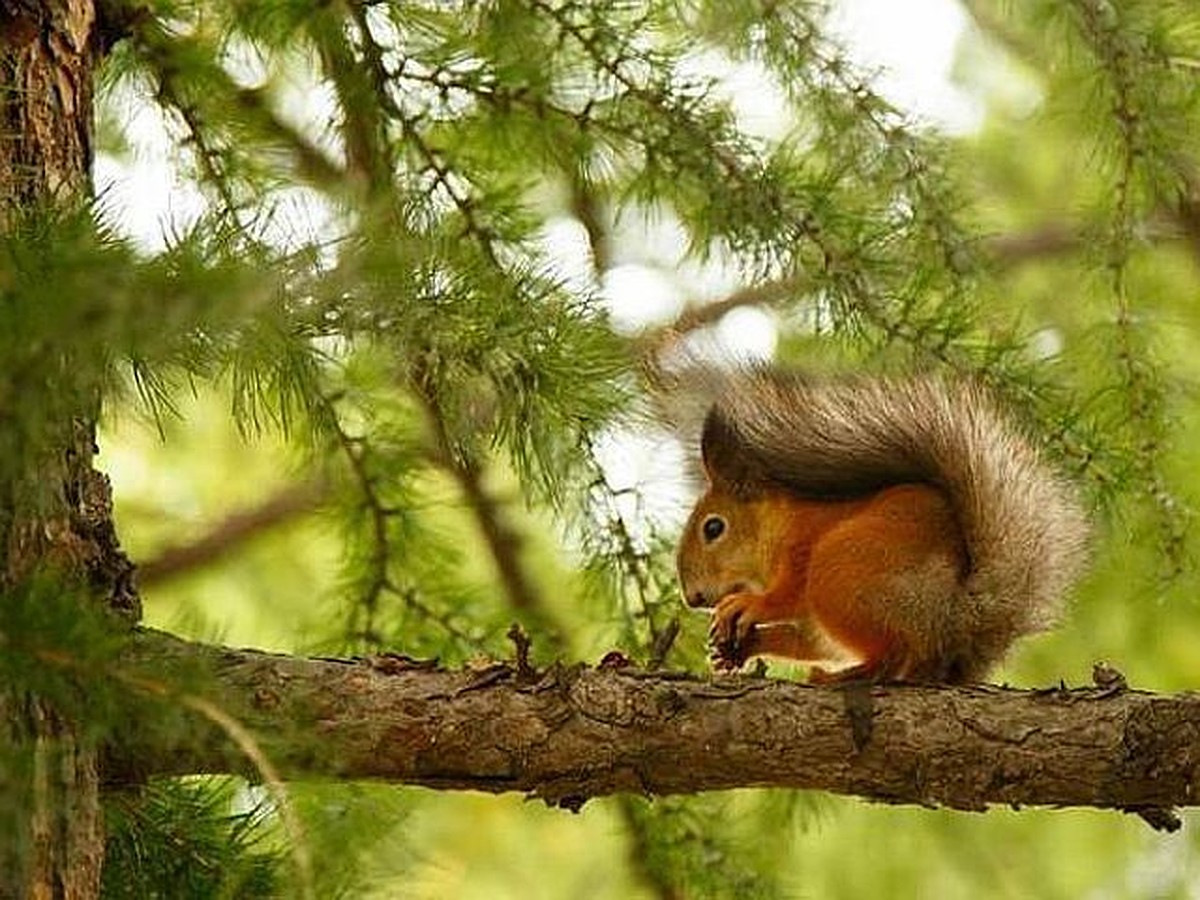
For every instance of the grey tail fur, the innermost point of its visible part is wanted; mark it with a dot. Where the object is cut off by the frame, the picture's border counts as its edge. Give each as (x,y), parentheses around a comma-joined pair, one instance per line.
(1024,529)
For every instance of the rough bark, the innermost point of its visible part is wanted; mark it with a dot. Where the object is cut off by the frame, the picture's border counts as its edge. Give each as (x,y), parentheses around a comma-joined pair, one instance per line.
(568,734)
(49,775)
(46,63)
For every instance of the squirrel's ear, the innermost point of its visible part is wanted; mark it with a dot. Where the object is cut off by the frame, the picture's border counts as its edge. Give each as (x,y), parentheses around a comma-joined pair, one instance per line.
(727,460)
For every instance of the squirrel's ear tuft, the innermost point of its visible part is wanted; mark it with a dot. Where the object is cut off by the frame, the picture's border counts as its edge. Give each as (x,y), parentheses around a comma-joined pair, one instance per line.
(727,460)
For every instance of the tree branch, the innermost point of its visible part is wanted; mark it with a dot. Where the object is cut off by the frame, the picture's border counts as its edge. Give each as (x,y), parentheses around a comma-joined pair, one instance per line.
(232,533)
(1001,251)
(501,539)
(571,733)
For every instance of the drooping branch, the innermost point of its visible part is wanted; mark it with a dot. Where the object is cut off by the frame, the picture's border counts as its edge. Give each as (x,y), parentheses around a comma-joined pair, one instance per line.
(568,734)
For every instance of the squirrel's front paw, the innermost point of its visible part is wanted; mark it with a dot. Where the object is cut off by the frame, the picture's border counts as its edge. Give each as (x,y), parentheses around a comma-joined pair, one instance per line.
(732,630)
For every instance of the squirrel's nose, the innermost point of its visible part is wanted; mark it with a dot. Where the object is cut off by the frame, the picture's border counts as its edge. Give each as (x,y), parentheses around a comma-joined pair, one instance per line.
(697,599)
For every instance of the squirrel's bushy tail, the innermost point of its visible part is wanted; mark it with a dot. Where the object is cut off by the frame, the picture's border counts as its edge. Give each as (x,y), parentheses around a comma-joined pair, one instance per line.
(1025,531)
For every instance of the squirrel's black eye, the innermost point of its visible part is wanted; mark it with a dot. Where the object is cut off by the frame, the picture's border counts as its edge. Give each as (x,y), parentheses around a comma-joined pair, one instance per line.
(713,528)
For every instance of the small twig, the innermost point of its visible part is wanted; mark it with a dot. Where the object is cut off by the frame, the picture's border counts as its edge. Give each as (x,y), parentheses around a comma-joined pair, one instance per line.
(522,644)
(312,163)
(208,157)
(433,158)
(1056,238)
(663,642)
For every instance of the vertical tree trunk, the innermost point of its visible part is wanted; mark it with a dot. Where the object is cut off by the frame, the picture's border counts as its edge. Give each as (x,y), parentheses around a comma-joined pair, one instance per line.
(46,62)
(48,771)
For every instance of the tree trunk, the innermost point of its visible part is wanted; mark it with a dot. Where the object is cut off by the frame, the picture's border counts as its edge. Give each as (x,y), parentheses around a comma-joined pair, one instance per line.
(49,772)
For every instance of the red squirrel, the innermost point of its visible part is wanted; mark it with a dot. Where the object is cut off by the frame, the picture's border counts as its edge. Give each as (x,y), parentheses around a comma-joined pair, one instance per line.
(883,529)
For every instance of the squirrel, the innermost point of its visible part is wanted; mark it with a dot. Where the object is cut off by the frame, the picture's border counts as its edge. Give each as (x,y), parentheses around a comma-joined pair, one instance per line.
(888,529)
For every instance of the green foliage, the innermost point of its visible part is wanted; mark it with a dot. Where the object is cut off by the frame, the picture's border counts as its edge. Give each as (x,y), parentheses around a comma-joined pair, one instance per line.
(181,838)
(55,643)
(677,851)
(453,387)
(357,833)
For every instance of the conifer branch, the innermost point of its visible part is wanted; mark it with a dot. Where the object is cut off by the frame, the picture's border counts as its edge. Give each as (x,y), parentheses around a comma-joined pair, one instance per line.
(357,451)
(1001,250)
(233,532)
(432,158)
(615,546)
(992,23)
(503,543)
(207,155)
(354,449)
(447,179)
(312,163)
(727,157)
(361,101)
(568,734)
(585,205)
(619,548)
(1125,59)
(167,56)
(641,848)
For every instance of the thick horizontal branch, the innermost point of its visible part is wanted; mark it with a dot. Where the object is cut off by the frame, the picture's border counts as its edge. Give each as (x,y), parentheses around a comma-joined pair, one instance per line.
(568,734)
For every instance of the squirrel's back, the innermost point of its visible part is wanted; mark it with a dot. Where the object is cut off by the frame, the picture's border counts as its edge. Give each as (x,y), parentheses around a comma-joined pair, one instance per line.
(1023,527)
